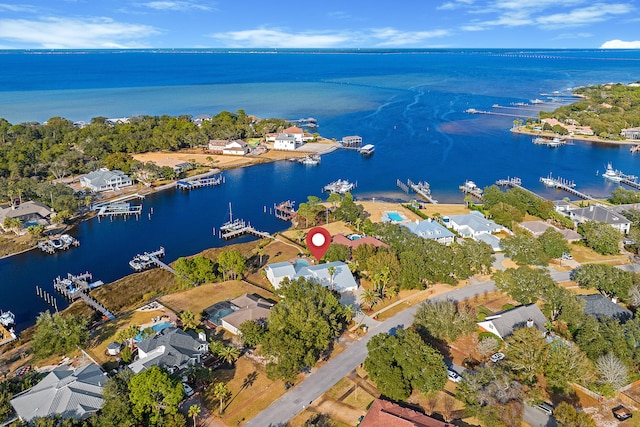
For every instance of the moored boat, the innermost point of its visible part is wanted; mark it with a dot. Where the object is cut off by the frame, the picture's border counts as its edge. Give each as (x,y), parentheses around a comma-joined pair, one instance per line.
(7,318)
(367,150)
(611,174)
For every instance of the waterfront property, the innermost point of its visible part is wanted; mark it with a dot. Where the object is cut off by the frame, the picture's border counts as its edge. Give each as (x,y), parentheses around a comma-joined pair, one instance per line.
(289,139)
(172,349)
(354,141)
(104,179)
(536,228)
(246,307)
(473,224)
(631,133)
(599,213)
(71,393)
(503,324)
(28,213)
(341,281)
(393,216)
(430,229)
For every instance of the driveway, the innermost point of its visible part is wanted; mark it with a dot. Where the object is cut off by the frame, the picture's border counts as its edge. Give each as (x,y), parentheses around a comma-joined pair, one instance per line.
(321,380)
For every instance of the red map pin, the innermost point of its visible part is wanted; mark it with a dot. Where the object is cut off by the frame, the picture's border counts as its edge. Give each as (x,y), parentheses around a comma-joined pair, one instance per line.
(318,241)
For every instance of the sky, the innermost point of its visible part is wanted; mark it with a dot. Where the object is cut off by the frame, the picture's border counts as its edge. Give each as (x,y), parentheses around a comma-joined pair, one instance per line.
(105,24)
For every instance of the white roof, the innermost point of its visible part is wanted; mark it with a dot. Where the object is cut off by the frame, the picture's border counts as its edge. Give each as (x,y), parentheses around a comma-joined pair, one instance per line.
(342,278)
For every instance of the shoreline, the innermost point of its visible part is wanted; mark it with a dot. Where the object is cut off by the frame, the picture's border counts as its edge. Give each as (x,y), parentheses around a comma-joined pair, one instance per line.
(523,131)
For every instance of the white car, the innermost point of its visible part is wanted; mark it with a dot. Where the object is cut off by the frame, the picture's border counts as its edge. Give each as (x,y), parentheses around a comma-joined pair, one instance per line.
(187,389)
(453,376)
(497,357)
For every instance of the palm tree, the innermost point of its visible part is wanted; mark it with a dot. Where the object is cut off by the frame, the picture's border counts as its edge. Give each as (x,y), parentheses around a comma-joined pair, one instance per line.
(188,320)
(349,311)
(128,334)
(229,354)
(194,411)
(381,280)
(221,392)
(260,253)
(332,271)
(371,297)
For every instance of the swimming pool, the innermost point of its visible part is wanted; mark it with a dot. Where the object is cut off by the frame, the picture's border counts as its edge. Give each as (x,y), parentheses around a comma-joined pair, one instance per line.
(394,217)
(301,263)
(353,237)
(157,327)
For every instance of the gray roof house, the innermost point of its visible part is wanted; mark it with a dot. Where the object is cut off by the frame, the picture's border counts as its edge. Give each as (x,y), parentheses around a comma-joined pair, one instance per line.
(429,229)
(343,280)
(27,212)
(537,228)
(104,179)
(597,305)
(172,348)
(601,214)
(504,323)
(72,393)
(473,224)
(246,307)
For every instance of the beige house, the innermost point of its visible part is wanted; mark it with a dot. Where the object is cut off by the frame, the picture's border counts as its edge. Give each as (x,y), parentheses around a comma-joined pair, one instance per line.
(30,213)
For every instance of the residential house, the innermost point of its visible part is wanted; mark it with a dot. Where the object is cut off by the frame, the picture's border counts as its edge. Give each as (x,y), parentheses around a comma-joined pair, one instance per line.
(300,135)
(537,228)
(504,323)
(631,133)
(601,307)
(286,142)
(216,146)
(475,226)
(30,213)
(246,307)
(71,393)
(342,280)
(103,179)
(236,148)
(383,413)
(172,349)
(563,206)
(430,229)
(490,240)
(352,242)
(600,213)
(200,118)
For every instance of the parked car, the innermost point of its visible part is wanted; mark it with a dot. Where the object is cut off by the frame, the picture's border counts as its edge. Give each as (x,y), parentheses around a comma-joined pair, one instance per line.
(621,413)
(453,376)
(566,256)
(187,389)
(497,357)
(545,407)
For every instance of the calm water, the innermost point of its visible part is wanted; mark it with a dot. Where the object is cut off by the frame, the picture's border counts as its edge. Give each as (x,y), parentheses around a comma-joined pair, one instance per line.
(409,104)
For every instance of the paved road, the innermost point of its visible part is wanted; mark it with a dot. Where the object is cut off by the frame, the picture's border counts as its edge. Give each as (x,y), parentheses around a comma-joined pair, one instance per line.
(317,383)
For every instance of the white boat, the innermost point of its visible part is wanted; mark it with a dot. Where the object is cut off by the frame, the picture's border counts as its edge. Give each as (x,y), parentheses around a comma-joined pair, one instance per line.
(310,160)
(7,318)
(340,186)
(554,143)
(612,175)
(367,150)
(536,101)
(548,182)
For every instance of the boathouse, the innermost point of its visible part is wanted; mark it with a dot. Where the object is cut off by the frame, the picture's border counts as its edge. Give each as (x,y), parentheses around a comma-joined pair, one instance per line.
(104,179)
(71,393)
(430,229)
(30,213)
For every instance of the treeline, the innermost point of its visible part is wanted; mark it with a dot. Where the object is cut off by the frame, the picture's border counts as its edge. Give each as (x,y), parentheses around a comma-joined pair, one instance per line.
(607,109)
(33,154)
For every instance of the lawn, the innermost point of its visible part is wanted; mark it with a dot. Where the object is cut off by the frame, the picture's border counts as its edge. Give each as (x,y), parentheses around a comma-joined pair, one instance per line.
(584,254)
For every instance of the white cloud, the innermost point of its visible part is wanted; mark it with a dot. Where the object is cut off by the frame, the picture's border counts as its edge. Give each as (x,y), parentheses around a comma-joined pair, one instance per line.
(450,5)
(17,8)
(66,33)
(180,6)
(277,37)
(620,44)
(586,15)
(339,15)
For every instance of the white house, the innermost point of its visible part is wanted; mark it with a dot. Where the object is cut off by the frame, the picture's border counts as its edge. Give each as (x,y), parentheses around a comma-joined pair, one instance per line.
(172,348)
(342,280)
(473,224)
(601,214)
(104,179)
(286,142)
(429,229)
(236,148)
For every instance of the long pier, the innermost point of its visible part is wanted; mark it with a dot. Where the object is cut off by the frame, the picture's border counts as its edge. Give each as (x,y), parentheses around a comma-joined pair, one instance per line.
(630,183)
(474,111)
(423,190)
(78,286)
(210,181)
(516,182)
(565,185)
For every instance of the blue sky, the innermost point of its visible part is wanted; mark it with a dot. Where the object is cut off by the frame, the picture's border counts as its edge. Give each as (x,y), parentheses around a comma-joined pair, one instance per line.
(70,24)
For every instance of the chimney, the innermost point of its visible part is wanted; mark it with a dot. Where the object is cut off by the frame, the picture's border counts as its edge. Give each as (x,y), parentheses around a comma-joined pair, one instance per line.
(530,323)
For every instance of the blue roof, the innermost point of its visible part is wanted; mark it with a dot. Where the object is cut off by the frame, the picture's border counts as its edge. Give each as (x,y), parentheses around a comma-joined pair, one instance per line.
(428,229)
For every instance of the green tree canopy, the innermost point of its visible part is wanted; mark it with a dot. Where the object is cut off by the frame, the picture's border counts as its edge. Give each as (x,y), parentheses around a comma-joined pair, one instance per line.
(58,334)
(600,237)
(607,279)
(153,393)
(231,262)
(445,320)
(524,284)
(553,243)
(524,249)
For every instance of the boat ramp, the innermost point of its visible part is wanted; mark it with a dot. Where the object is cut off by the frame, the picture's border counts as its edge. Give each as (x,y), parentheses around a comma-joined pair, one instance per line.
(205,181)
(58,243)
(422,189)
(77,287)
(566,185)
(147,260)
(470,188)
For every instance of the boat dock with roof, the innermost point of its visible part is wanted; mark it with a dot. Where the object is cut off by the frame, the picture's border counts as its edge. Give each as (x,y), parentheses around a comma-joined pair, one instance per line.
(204,181)
(147,260)
(77,287)
(285,210)
(470,188)
(59,243)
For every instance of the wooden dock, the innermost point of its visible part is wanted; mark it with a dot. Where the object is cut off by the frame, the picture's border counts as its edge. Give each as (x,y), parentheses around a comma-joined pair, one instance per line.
(475,111)
(77,287)
(146,260)
(125,198)
(516,182)
(7,335)
(209,181)
(422,189)
(121,208)
(285,210)
(241,229)
(566,185)
(470,188)
(58,243)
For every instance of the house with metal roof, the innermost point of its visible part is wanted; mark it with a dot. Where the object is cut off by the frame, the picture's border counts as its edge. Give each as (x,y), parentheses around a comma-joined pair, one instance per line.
(172,349)
(30,213)
(537,228)
(341,281)
(430,229)
(473,224)
(601,307)
(600,213)
(104,179)
(246,307)
(503,324)
(71,393)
